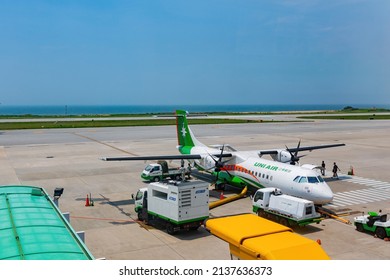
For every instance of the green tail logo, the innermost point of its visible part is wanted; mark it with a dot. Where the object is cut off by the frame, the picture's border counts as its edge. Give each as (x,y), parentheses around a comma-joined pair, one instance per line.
(184,135)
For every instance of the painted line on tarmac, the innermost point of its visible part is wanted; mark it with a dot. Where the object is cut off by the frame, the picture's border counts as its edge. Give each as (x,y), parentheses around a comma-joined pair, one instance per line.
(105,144)
(103,219)
(376,191)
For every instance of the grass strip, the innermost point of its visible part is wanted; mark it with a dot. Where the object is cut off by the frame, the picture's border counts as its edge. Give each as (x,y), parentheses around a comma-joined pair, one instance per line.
(349,117)
(114,123)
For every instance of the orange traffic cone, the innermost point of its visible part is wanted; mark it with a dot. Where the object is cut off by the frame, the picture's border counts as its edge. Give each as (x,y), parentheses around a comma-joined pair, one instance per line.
(221,195)
(87,201)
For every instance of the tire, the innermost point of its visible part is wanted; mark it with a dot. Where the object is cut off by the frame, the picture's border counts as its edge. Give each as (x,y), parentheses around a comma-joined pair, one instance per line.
(283,221)
(156,179)
(261,213)
(170,229)
(380,232)
(194,228)
(359,227)
(220,187)
(140,218)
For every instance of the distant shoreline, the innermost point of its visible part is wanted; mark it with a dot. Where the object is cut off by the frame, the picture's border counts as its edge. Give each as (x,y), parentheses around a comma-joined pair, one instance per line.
(95,121)
(140,110)
(193,113)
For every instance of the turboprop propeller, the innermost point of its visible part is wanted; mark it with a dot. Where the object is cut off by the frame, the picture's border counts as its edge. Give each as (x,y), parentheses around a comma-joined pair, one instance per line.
(294,157)
(219,164)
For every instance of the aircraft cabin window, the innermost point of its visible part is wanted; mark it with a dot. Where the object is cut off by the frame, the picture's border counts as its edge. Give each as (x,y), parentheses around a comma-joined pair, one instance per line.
(263,175)
(267,177)
(303,180)
(312,180)
(271,178)
(296,179)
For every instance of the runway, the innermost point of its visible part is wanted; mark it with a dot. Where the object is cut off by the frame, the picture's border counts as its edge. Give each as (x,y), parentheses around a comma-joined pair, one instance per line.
(70,158)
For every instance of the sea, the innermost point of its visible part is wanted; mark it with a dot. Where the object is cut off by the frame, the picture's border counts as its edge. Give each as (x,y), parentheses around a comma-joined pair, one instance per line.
(64,110)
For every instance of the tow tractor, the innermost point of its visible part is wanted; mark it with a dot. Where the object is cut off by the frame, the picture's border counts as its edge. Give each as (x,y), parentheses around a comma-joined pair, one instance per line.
(373,222)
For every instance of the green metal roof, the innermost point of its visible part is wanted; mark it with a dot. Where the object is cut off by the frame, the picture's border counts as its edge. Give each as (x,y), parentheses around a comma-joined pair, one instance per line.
(32,227)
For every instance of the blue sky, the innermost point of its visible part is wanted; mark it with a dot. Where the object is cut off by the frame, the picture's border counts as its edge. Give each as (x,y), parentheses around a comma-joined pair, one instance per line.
(194,52)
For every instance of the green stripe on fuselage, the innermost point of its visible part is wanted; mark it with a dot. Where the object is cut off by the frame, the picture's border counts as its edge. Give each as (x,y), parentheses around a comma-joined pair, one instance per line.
(224,177)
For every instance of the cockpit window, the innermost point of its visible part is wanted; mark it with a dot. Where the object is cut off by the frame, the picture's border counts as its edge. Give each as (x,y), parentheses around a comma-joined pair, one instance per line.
(296,179)
(320,179)
(313,180)
(303,180)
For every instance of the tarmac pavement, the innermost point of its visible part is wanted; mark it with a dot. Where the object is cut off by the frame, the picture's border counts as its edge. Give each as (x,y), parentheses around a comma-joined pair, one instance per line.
(70,158)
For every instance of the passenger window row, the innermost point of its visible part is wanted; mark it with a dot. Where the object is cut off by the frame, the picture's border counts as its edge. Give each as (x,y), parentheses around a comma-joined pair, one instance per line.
(257,174)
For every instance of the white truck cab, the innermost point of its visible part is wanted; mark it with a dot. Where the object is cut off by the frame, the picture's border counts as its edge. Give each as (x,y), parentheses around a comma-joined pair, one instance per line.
(159,171)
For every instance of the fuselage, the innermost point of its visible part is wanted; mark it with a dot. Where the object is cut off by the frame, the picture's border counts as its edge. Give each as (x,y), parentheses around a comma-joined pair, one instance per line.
(247,168)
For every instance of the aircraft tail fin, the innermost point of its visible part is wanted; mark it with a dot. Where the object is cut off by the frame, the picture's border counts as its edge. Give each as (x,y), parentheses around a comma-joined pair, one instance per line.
(185,137)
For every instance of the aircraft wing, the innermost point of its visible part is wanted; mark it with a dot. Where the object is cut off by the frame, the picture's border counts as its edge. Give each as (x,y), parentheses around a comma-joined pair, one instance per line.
(167,157)
(298,149)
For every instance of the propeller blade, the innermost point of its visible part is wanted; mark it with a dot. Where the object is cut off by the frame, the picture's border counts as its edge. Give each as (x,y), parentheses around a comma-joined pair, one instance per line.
(294,157)
(299,144)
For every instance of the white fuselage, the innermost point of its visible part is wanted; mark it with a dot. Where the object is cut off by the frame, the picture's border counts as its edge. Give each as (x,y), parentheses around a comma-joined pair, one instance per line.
(259,172)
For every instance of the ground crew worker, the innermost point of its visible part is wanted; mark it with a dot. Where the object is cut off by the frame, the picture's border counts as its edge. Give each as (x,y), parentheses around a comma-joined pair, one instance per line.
(335,169)
(323,168)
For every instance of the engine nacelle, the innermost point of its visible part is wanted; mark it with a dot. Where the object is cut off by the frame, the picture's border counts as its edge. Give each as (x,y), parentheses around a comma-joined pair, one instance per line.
(282,156)
(206,162)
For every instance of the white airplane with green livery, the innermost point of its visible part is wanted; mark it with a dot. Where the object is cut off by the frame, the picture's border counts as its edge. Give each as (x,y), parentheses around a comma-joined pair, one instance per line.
(248,168)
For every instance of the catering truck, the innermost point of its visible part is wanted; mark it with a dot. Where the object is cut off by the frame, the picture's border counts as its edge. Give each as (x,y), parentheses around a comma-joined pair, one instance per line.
(159,171)
(176,205)
(287,210)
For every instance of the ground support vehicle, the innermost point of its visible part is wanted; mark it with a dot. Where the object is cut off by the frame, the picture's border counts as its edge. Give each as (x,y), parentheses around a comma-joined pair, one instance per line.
(159,171)
(374,222)
(175,205)
(287,210)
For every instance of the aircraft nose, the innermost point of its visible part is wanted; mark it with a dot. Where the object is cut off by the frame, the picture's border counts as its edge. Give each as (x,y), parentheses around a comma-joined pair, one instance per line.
(328,195)
(323,194)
